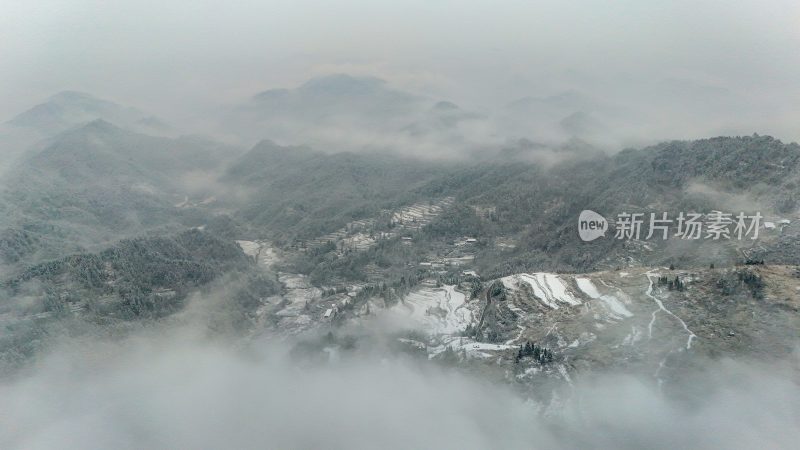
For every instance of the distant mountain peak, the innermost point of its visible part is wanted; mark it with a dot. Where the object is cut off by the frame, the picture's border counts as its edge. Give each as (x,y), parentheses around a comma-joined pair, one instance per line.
(72,95)
(343,84)
(569,98)
(69,109)
(100,125)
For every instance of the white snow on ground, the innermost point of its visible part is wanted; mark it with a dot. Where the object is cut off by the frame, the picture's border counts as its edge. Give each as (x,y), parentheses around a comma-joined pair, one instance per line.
(357,242)
(587,287)
(609,301)
(615,306)
(262,251)
(540,293)
(293,317)
(249,248)
(443,312)
(492,347)
(353,235)
(471,348)
(439,310)
(558,288)
(547,287)
(661,307)
(298,292)
(267,257)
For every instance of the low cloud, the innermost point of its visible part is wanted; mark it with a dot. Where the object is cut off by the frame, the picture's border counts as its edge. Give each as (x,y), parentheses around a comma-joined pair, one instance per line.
(722,200)
(177,388)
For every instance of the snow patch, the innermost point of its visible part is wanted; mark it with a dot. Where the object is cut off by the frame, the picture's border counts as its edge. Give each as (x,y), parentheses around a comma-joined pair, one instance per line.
(615,306)
(250,248)
(439,310)
(547,288)
(587,287)
(470,347)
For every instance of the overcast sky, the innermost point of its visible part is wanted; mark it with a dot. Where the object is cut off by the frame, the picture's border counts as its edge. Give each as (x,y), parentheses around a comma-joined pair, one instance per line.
(177,57)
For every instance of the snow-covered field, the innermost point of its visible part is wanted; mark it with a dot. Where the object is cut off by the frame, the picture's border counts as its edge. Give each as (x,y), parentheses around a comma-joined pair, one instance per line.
(357,235)
(587,287)
(419,214)
(557,290)
(469,346)
(443,313)
(267,257)
(438,310)
(298,292)
(612,303)
(547,288)
(261,251)
(250,248)
(357,242)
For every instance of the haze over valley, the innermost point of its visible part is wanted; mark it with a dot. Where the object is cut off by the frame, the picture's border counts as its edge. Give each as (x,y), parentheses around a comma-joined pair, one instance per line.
(363,226)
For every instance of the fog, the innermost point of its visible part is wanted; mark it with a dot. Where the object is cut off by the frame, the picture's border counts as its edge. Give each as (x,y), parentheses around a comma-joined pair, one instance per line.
(177,388)
(175,338)
(647,70)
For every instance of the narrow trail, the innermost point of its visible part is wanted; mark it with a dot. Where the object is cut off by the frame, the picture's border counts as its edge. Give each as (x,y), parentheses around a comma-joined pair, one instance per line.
(661,307)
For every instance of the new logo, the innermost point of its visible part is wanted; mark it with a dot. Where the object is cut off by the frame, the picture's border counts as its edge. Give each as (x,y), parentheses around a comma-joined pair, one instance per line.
(591,225)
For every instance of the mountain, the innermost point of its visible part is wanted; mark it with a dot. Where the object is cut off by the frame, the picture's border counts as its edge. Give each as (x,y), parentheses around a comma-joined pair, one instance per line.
(483,265)
(299,192)
(478,259)
(135,280)
(99,151)
(524,212)
(329,101)
(69,109)
(98,183)
(340,113)
(335,96)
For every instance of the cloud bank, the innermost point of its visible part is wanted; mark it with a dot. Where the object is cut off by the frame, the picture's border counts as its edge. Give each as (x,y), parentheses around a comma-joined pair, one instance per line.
(177,389)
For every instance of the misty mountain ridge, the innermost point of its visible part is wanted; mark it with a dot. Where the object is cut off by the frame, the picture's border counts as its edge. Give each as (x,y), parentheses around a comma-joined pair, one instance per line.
(68,109)
(471,262)
(319,98)
(98,183)
(341,112)
(377,225)
(282,181)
